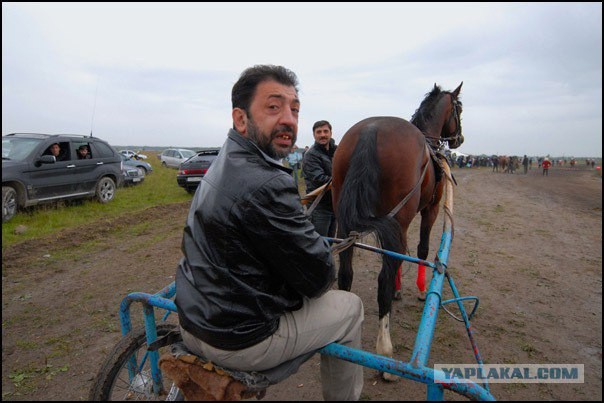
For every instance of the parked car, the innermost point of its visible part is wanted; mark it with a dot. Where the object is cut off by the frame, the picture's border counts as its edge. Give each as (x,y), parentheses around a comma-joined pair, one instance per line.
(132,154)
(173,157)
(192,170)
(31,174)
(132,175)
(132,162)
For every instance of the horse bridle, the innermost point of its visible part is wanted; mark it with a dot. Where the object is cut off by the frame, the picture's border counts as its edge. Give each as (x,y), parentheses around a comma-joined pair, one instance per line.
(456,136)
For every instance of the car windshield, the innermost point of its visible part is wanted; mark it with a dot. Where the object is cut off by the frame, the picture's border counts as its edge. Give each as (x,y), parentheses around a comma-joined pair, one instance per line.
(187,153)
(17,148)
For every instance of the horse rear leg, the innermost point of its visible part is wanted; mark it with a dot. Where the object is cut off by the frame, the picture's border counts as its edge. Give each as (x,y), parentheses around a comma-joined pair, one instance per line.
(398,283)
(386,285)
(345,274)
(429,215)
(420,282)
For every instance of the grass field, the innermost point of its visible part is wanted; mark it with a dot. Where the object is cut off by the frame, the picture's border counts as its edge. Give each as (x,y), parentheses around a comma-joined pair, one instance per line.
(158,188)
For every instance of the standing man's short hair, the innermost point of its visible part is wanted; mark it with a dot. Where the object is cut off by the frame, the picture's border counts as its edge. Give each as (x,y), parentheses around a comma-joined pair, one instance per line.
(244,89)
(321,123)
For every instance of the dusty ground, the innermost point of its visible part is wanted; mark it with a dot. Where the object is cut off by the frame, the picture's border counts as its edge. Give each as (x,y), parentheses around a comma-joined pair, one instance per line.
(530,247)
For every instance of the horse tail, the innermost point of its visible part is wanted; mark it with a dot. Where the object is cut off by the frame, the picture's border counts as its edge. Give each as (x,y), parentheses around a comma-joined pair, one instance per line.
(360,196)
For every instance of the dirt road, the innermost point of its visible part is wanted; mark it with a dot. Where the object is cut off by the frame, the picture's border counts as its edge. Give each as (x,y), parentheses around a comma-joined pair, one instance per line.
(530,247)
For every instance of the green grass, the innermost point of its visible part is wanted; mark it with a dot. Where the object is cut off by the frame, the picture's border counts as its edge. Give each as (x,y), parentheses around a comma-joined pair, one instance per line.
(159,188)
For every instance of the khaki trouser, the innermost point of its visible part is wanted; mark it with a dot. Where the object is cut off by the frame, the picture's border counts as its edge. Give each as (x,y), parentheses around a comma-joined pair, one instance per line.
(336,316)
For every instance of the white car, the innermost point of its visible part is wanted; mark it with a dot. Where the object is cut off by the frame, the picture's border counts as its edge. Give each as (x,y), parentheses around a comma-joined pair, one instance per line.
(132,154)
(173,157)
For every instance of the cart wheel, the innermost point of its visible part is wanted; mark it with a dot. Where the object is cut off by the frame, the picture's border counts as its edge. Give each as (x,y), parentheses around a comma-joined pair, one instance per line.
(121,378)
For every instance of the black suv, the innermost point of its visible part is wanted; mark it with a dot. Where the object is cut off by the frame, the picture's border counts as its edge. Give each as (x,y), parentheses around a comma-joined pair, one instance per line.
(32,173)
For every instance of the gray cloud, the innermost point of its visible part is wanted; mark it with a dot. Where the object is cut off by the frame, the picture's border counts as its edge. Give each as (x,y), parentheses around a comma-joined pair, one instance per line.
(532,72)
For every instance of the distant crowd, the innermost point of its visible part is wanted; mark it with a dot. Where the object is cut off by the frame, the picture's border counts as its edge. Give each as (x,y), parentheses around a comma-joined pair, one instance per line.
(510,164)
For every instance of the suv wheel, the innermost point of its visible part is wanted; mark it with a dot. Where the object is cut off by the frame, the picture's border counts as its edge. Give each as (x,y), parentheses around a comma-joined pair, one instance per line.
(105,190)
(9,203)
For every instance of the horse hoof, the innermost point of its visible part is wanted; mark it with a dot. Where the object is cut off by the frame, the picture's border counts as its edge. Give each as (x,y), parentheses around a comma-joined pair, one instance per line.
(387,376)
(421,295)
(397,295)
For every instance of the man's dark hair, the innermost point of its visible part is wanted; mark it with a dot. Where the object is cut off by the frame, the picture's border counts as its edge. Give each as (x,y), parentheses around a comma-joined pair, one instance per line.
(321,123)
(244,89)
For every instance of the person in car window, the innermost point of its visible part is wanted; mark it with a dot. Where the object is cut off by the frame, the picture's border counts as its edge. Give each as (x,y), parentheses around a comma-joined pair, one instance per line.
(254,284)
(60,155)
(83,153)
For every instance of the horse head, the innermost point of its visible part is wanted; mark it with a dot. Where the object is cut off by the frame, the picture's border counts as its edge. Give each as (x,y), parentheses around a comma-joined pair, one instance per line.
(439,117)
(451,131)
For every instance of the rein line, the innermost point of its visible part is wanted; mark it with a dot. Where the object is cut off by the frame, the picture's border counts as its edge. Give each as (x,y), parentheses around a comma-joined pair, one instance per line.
(315,202)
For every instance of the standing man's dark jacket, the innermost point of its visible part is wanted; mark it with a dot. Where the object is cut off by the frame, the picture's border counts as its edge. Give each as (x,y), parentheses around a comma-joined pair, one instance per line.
(244,242)
(316,168)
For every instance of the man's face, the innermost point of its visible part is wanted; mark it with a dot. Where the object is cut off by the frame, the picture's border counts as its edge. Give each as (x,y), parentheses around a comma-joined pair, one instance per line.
(55,149)
(273,119)
(83,151)
(322,135)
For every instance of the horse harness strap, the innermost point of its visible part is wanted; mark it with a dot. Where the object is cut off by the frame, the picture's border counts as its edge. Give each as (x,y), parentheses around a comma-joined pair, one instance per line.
(437,159)
(353,236)
(399,206)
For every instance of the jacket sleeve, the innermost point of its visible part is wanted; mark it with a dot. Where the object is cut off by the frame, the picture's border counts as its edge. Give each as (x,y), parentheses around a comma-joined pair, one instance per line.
(314,170)
(286,240)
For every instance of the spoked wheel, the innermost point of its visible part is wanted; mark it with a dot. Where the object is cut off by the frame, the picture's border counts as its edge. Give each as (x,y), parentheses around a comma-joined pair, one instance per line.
(126,374)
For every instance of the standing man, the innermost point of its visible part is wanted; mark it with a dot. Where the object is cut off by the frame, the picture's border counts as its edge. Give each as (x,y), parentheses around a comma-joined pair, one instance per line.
(546,164)
(293,159)
(254,285)
(495,161)
(316,168)
(525,163)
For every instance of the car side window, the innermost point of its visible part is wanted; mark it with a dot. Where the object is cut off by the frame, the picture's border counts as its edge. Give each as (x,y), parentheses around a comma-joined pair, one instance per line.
(102,150)
(80,146)
(64,151)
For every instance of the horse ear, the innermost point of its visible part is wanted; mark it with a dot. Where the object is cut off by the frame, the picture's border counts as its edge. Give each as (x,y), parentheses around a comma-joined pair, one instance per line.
(457,90)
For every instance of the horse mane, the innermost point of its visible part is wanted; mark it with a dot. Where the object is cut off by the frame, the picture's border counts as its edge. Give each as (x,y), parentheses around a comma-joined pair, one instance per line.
(425,112)
(426,109)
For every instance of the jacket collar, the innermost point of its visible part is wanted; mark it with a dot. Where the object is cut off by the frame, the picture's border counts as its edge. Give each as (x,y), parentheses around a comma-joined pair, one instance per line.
(252,148)
(321,148)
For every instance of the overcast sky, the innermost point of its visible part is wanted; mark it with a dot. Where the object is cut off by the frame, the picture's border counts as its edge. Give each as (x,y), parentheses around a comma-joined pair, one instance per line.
(159,74)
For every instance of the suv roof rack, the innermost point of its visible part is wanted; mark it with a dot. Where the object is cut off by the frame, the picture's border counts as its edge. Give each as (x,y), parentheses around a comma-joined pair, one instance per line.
(53,135)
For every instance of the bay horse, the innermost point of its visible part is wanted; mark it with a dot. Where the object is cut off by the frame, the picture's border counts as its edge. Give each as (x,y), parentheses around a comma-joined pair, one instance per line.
(383,174)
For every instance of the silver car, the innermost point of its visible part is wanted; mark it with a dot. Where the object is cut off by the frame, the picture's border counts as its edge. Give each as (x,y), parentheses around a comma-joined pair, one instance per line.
(173,157)
(145,166)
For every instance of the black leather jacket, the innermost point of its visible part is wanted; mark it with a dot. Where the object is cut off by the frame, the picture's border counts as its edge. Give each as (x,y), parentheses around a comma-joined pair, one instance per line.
(316,168)
(250,253)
